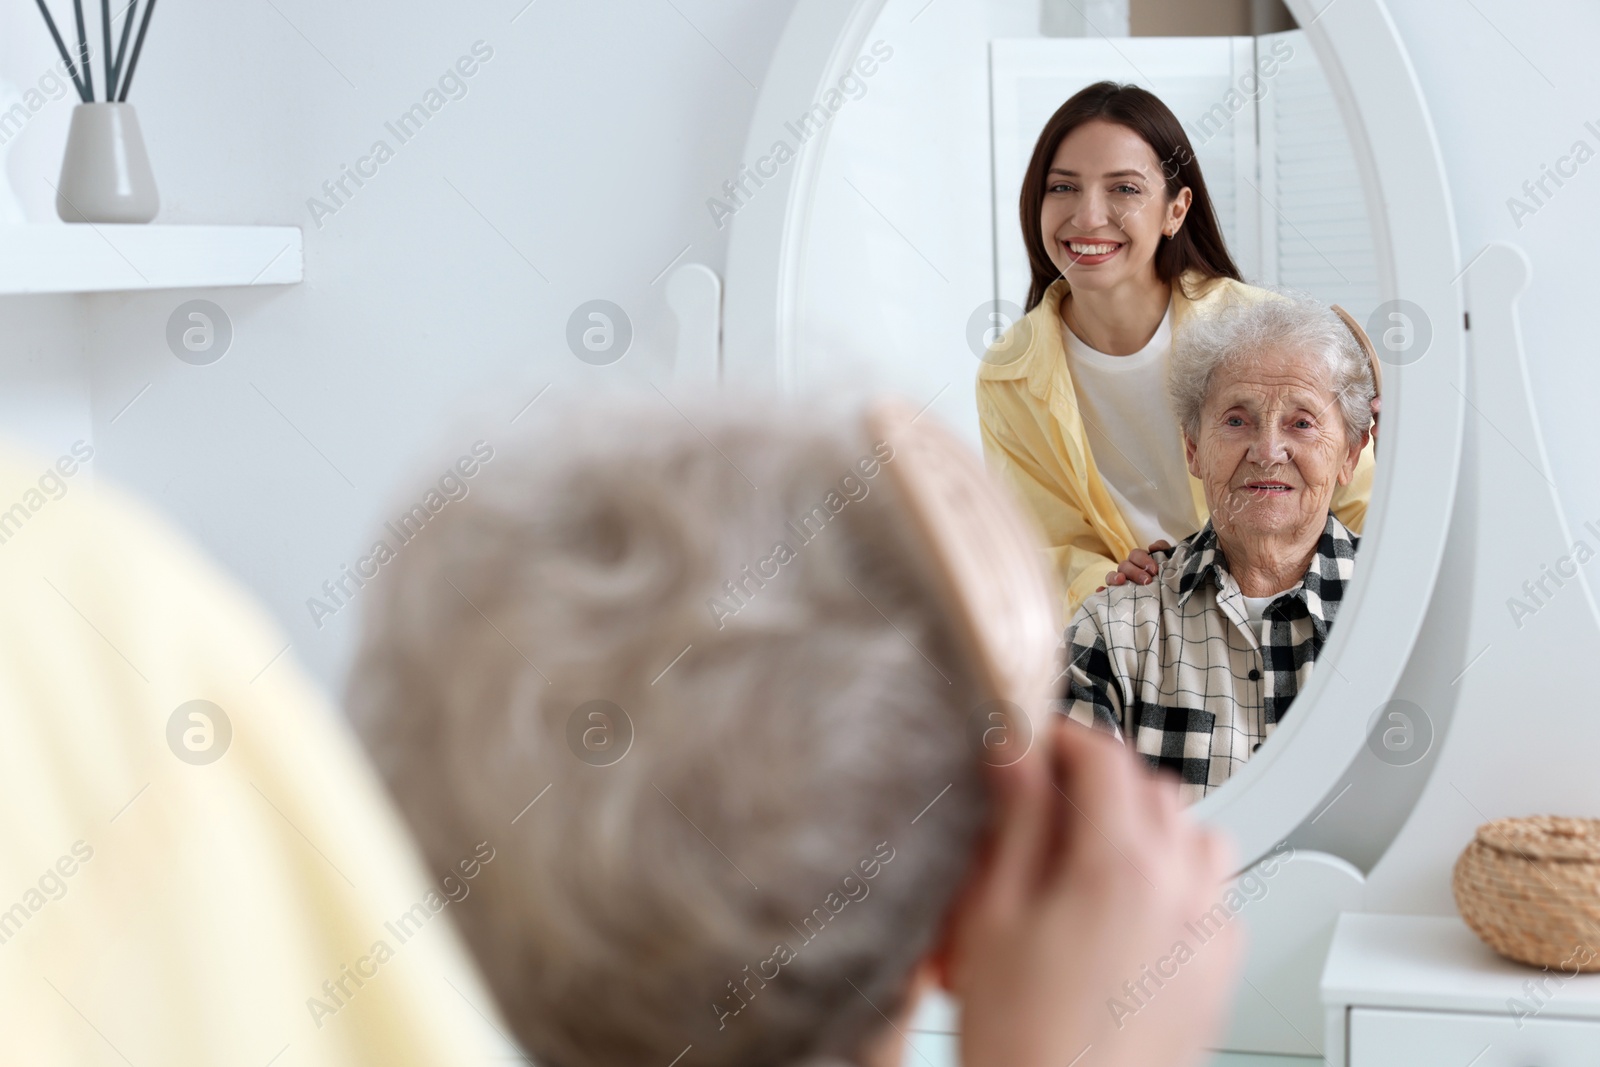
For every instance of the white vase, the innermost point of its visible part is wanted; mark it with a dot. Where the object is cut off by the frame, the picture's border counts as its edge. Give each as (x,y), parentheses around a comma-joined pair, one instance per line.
(105,175)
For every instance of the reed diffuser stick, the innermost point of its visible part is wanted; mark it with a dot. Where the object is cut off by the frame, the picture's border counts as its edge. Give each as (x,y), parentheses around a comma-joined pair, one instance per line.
(105,44)
(83,50)
(138,46)
(128,14)
(61,46)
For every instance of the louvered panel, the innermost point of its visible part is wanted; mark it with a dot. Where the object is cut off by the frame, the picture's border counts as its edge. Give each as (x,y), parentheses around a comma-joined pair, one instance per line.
(1316,220)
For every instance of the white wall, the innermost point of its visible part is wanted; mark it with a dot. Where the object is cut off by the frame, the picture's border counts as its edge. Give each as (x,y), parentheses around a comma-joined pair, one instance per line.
(590,141)
(1510,90)
(44,377)
(900,251)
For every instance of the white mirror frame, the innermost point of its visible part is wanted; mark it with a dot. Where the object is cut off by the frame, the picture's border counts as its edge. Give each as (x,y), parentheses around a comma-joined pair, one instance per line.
(1414,240)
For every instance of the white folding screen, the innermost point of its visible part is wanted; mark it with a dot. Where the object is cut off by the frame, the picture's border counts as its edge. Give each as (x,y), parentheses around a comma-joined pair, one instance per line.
(1316,232)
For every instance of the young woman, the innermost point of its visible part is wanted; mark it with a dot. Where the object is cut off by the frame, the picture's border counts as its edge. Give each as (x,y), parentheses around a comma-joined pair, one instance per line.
(1124,247)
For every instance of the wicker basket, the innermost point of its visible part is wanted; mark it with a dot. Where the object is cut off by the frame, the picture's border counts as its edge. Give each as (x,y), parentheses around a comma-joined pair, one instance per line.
(1530,887)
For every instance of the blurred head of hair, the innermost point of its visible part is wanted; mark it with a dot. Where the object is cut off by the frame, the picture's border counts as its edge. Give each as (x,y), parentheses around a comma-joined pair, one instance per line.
(730,587)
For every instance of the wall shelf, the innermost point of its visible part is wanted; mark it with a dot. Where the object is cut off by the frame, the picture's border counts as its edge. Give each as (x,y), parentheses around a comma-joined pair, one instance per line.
(98,258)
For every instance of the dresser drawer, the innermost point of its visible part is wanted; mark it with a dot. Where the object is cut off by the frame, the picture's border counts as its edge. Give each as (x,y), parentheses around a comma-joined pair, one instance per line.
(1387,1038)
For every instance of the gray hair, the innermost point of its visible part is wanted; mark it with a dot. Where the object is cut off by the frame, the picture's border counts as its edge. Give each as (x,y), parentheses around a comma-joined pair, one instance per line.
(778,747)
(1243,330)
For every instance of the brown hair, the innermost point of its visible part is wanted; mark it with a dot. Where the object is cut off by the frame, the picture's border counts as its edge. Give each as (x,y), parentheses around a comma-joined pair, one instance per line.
(1198,244)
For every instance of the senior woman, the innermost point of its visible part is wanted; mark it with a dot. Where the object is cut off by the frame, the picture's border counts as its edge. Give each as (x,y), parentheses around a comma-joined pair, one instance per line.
(1198,667)
(688,676)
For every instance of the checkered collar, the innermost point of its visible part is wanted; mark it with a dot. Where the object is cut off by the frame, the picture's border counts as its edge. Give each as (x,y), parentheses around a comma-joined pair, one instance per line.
(1320,590)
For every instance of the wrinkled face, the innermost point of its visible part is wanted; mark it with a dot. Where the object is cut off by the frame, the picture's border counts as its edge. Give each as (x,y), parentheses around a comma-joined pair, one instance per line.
(1271,448)
(1105,207)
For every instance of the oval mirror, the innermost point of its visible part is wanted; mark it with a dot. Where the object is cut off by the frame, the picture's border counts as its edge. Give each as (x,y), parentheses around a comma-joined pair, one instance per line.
(879,242)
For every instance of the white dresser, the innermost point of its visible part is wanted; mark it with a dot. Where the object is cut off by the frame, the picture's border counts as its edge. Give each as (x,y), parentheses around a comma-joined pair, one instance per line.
(1423,991)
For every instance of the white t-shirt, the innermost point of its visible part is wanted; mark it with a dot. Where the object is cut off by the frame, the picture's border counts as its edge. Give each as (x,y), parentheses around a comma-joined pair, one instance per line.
(1255,607)
(1133,434)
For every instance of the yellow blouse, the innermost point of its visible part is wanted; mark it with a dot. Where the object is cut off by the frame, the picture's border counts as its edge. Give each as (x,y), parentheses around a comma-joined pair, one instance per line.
(1035,439)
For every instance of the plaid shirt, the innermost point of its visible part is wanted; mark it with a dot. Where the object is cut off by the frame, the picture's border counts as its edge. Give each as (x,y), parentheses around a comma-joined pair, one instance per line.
(1177,666)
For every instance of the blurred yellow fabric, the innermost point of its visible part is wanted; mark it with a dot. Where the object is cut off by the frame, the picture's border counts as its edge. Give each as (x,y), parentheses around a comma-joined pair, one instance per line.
(158,910)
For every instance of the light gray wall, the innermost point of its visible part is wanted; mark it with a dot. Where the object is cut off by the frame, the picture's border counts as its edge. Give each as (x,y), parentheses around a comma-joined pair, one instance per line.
(1510,87)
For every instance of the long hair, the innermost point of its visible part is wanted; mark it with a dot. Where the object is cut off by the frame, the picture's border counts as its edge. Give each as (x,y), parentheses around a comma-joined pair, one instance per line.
(1198,244)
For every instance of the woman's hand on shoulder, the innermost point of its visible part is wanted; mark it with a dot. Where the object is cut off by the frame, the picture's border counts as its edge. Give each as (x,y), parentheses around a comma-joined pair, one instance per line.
(1140,568)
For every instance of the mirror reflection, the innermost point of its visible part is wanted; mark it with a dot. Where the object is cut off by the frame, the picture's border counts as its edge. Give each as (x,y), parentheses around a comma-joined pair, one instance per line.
(1137,243)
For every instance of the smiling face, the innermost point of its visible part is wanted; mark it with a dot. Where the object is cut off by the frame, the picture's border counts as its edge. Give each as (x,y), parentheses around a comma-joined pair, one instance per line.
(1271,449)
(1105,207)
